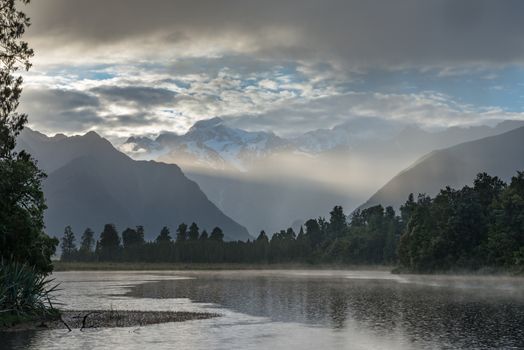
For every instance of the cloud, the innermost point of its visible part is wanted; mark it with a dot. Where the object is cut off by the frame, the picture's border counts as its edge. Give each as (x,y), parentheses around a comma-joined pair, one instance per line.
(139,95)
(411,33)
(57,109)
(426,109)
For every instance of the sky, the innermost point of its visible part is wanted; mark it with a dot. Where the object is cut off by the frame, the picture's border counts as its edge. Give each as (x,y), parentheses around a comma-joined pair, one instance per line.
(134,67)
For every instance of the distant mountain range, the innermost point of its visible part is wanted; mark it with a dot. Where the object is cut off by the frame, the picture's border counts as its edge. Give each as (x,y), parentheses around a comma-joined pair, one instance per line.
(208,143)
(501,155)
(268,182)
(213,144)
(91,183)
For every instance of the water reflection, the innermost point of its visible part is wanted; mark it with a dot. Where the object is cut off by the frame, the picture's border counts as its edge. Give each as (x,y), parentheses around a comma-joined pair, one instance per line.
(293,309)
(477,314)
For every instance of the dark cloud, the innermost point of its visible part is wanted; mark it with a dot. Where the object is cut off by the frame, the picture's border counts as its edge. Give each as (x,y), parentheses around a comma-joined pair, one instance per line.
(389,33)
(58,99)
(58,109)
(140,95)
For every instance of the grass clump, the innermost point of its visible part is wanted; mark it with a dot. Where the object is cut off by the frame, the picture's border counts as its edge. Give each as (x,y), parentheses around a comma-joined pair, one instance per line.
(25,294)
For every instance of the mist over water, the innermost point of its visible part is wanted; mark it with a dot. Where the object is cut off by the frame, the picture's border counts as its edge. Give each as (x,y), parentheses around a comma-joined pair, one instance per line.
(306,309)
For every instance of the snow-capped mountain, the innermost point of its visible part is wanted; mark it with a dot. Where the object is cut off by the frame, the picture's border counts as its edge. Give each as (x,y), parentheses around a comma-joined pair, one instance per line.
(210,143)
(275,180)
(213,144)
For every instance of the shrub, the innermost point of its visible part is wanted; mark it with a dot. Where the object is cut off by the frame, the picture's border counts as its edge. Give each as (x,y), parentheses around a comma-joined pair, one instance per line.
(25,292)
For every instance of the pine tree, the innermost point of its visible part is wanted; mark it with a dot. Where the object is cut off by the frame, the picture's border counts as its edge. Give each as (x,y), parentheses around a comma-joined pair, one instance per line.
(204,236)
(68,244)
(133,237)
(193,232)
(164,236)
(109,243)
(217,235)
(262,237)
(87,241)
(181,233)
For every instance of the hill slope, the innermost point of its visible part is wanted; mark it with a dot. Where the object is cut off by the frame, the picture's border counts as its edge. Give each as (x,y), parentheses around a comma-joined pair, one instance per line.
(501,155)
(90,183)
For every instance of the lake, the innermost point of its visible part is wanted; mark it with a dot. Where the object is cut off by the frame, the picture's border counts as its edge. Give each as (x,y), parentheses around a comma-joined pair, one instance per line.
(288,309)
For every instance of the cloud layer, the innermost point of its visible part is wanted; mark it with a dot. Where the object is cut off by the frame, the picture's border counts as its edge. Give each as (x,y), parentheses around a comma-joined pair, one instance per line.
(125,67)
(389,33)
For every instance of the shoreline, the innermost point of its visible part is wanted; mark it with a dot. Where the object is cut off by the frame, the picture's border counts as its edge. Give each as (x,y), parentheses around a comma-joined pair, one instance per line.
(60,266)
(95,319)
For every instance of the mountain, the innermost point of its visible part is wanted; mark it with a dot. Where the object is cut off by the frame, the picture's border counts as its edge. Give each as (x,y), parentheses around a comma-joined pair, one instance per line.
(90,183)
(266,182)
(210,143)
(501,155)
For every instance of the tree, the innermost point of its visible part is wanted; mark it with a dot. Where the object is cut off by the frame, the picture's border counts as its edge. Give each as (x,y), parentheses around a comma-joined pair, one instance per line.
(133,238)
(181,233)
(217,235)
(22,203)
(87,245)
(109,245)
(314,232)
(506,233)
(193,232)
(68,244)
(262,237)
(164,236)
(204,236)
(407,209)
(87,241)
(337,222)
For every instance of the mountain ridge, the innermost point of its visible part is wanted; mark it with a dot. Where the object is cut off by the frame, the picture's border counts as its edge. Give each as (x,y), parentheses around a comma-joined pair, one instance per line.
(90,183)
(499,155)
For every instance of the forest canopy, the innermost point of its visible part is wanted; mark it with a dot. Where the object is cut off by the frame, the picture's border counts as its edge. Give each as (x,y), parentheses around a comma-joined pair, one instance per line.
(474,227)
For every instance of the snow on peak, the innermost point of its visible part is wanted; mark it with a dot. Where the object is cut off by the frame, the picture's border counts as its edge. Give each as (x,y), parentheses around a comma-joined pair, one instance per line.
(207,123)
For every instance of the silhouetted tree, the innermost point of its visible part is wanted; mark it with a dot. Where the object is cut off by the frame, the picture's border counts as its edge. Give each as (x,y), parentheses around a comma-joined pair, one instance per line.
(109,244)
(181,233)
(87,245)
(204,236)
(164,235)
(262,237)
(87,241)
(337,222)
(217,235)
(131,237)
(467,228)
(193,232)
(314,232)
(22,203)
(68,244)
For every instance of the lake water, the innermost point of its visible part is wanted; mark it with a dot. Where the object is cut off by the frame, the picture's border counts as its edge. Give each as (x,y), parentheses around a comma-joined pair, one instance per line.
(293,310)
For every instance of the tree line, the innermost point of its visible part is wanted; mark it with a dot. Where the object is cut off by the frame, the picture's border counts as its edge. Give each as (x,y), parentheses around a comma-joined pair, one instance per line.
(469,228)
(374,233)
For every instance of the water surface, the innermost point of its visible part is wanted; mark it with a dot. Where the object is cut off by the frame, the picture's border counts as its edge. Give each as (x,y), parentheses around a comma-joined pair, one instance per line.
(285,309)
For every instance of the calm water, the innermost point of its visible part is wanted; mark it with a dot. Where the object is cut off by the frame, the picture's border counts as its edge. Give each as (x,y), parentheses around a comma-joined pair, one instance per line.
(293,309)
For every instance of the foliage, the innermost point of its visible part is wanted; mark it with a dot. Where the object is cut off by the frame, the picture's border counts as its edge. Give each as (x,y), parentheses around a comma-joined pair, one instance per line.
(109,244)
(24,291)
(470,228)
(68,244)
(22,202)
